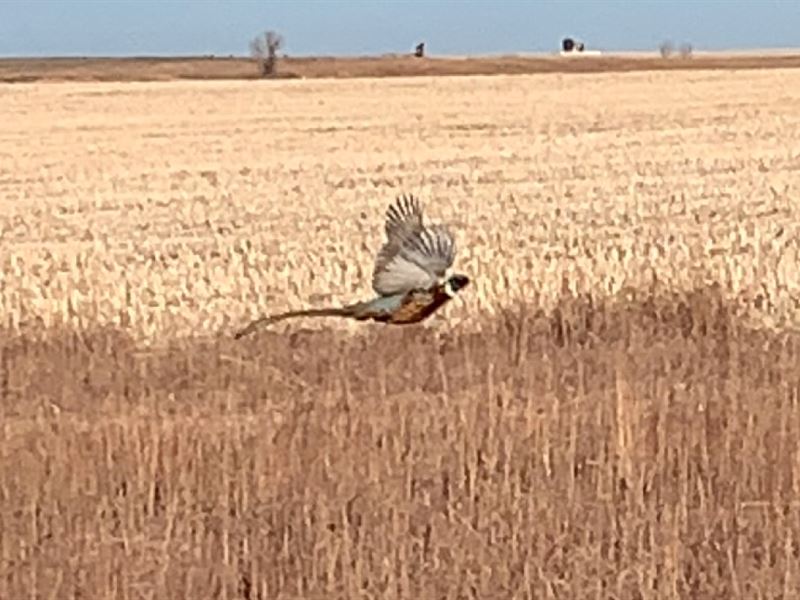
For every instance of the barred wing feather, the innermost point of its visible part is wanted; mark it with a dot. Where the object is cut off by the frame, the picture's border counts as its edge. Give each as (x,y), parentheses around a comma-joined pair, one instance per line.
(403,218)
(417,261)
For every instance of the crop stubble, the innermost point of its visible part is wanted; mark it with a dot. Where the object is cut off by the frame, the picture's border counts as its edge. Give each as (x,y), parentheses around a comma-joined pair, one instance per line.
(611,408)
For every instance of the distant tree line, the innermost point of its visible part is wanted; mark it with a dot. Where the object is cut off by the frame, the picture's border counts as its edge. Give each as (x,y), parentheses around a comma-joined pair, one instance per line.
(264,50)
(667,49)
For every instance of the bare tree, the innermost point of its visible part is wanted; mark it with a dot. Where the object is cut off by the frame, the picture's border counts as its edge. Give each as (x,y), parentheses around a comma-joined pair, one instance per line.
(686,50)
(264,48)
(666,49)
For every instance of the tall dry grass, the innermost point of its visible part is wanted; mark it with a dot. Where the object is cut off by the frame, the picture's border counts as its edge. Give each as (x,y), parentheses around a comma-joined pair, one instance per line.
(627,449)
(610,411)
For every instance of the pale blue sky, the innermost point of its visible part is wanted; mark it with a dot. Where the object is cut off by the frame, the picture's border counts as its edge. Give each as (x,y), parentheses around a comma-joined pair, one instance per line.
(192,27)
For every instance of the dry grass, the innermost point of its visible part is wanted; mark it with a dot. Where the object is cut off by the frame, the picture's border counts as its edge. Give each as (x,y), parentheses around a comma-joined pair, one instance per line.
(611,411)
(630,450)
(16,70)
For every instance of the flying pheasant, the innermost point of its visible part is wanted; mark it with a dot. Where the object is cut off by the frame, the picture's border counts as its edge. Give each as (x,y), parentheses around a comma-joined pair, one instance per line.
(410,274)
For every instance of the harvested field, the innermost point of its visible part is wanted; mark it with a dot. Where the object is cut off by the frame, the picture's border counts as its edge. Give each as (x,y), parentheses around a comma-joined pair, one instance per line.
(610,410)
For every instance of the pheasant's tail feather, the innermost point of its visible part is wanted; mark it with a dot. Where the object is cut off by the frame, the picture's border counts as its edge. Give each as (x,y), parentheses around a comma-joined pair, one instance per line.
(310,312)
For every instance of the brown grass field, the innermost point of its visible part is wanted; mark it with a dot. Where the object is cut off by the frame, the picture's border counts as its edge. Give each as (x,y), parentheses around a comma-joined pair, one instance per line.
(610,410)
(60,69)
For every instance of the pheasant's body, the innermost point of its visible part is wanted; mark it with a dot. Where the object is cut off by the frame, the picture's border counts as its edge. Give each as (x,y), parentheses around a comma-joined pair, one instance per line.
(416,306)
(401,309)
(409,275)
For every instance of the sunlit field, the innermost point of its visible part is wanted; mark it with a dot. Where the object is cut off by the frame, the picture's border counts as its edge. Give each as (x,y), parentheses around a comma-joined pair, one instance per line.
(609,410)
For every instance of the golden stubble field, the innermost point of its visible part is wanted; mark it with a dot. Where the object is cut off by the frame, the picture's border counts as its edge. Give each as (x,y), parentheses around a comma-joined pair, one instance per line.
(609,411)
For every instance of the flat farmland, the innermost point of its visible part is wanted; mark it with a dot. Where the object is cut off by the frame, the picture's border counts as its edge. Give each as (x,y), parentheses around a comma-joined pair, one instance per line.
(610,409)
(185,208)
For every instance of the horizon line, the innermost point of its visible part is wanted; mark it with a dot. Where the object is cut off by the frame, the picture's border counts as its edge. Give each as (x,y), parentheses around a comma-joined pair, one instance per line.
(519,53)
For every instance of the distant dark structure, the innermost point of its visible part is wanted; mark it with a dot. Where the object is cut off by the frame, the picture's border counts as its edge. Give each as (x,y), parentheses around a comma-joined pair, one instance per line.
(570,45)
(419,51)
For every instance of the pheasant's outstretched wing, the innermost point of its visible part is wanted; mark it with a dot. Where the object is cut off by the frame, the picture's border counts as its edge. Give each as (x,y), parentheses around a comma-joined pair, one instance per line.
(403,218)
(414,256)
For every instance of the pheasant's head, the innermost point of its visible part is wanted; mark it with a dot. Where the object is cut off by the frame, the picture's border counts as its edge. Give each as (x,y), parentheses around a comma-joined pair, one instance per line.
(454,284)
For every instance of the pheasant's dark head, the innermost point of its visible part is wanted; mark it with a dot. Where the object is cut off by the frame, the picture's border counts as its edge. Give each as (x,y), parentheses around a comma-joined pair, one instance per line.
(454,284)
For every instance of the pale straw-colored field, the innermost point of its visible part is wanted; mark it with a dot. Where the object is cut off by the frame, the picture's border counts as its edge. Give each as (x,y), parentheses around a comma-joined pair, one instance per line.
(543,436)
(187,208)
